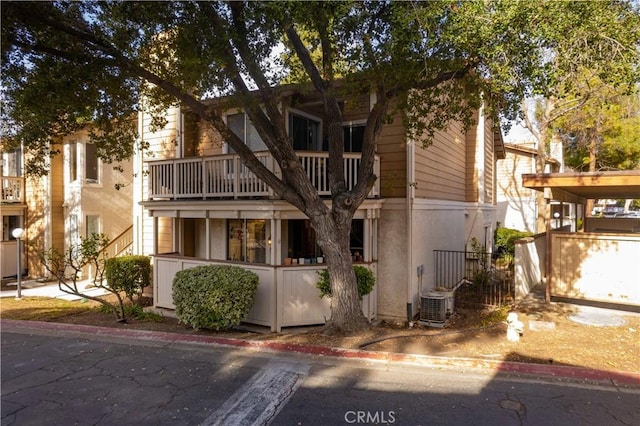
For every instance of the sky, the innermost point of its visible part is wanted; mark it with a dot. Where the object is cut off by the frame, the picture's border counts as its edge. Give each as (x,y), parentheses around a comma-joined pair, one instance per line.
(518,134)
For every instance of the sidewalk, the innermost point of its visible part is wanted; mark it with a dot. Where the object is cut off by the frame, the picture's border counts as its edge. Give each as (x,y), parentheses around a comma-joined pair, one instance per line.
(33,288)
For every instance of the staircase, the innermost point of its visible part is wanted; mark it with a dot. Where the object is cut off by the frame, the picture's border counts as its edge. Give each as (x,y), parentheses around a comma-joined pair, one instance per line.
(122,245)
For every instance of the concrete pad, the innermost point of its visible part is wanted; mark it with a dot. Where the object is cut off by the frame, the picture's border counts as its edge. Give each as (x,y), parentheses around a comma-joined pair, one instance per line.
(598,317)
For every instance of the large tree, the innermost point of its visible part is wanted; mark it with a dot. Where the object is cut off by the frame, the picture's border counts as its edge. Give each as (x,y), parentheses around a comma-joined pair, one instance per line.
(69,63)
(592,49)
(604,134)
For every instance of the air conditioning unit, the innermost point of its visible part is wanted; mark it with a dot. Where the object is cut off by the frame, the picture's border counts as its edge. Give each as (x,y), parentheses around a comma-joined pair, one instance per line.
(435,308)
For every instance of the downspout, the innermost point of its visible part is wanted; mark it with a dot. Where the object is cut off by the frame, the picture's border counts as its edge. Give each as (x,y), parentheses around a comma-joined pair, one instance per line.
(410,195)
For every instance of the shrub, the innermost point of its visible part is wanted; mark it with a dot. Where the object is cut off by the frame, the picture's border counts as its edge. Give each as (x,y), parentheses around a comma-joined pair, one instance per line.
(215,296)
(364,277)
(505,239)
(129,274)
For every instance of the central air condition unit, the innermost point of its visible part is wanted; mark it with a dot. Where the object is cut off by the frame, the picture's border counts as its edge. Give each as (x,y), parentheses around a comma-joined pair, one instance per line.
(435,308)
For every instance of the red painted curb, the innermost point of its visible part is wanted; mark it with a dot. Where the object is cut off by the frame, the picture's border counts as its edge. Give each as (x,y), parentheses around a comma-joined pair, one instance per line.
(557,371)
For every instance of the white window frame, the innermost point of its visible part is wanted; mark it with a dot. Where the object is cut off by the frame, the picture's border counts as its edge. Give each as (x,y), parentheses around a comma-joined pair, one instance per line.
(354,123)
(310,117)
(236,111)
(85,225)
(83,167)
(71,166)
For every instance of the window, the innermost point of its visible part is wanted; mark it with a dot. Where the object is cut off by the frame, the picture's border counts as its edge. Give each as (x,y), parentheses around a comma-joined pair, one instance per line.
(12,163)
(9,223)
(356,240)
(304,133)
(353,138)
(73,162)
(302,240)
(89,169)
(248,240)
(74,234)
(92,225)
(90,164)
(240,125)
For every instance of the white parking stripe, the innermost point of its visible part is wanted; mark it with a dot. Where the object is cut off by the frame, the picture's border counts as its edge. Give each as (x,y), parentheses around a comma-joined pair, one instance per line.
(259,400)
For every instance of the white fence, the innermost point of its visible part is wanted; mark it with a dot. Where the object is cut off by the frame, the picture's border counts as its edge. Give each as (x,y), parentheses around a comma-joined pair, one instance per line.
(212,177)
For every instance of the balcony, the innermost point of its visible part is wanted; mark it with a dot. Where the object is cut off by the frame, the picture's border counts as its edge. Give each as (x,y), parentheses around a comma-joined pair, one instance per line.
(12,189)
(225,177)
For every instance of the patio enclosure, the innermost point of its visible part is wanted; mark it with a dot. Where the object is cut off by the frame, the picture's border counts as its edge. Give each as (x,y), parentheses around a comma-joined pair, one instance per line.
(287,295)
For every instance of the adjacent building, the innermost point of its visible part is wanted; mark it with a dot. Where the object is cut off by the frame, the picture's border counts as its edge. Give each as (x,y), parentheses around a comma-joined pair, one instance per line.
(76,198)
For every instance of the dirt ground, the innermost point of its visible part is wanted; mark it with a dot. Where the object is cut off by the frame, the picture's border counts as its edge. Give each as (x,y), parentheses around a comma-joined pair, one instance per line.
(549,336)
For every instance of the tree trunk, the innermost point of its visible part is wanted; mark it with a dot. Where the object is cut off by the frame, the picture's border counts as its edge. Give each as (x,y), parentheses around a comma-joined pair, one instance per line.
(541,202)
(333,237)
(593,147)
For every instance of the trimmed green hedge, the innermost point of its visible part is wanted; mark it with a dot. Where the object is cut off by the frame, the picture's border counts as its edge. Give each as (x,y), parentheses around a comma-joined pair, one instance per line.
(214,296)
(128,274)
(364,276)
(505,239)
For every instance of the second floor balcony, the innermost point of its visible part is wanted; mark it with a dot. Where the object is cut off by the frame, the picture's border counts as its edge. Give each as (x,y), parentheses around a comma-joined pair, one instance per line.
(12,189)
(225,177)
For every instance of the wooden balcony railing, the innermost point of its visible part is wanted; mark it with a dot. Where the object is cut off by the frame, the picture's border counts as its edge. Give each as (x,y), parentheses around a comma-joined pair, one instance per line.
(12,189)
(224,176)
(121,245)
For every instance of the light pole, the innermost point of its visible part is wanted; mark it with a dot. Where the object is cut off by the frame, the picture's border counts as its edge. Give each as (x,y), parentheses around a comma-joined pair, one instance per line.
(18,233)
(556,215)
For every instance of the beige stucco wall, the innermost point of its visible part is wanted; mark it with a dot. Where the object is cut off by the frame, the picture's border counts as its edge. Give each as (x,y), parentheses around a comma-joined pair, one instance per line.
(392,260)
(112,206)
(480,223)
(529,264)
(436,225)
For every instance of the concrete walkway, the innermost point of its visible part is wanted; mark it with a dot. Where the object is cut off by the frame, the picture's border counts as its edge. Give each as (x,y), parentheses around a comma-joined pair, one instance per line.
(33,288)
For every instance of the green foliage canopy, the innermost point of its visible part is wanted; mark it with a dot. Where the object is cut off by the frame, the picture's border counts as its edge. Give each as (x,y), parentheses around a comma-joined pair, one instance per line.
(69,63)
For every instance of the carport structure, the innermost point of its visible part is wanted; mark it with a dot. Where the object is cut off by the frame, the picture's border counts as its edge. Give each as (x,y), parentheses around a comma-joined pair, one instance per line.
(600,262)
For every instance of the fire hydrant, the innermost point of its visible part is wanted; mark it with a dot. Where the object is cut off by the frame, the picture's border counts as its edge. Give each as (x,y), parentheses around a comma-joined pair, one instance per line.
(514,327)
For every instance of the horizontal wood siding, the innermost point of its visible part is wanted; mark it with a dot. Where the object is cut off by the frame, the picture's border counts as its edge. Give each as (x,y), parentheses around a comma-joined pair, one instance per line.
(162,143)
(392,148)
(356,108)
(509,175)
(208,139)
(489,162)
(440,167)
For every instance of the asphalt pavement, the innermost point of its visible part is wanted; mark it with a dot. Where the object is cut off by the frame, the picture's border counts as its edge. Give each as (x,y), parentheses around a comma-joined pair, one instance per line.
(61,374)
